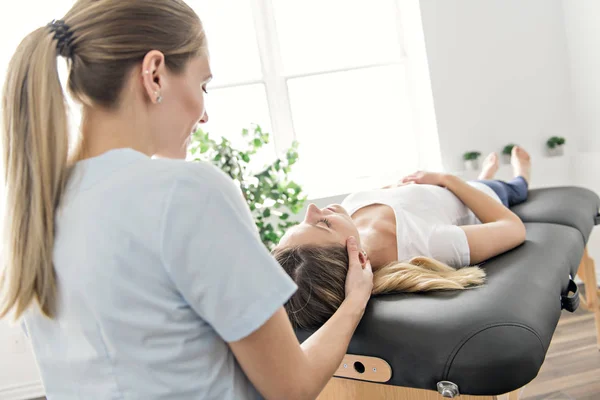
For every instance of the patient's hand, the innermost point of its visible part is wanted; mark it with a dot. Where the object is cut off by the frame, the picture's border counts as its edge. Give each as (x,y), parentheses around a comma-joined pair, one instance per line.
(426,178)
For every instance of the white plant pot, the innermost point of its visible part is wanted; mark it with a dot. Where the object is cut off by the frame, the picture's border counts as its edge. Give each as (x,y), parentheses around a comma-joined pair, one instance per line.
(472,165)
(506,158)
(556,151)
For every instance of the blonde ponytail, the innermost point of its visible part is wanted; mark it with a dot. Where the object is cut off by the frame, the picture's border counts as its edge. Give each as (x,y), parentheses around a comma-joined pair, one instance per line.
(423,274)
(35,149)
(103,45)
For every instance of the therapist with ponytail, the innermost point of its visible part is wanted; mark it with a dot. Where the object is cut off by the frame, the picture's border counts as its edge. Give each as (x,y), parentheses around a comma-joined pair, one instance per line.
(142,278)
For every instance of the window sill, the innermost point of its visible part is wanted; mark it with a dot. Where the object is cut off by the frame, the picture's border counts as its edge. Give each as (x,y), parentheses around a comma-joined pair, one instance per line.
(343,187)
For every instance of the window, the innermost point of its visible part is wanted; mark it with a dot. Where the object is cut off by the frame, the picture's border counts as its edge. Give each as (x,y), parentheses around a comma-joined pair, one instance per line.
(330,74)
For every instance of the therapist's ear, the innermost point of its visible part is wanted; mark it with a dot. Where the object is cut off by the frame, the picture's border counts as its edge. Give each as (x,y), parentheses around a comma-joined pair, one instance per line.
(153,75)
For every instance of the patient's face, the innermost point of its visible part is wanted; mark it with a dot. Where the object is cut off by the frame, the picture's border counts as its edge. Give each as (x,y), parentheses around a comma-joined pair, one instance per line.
(330,225)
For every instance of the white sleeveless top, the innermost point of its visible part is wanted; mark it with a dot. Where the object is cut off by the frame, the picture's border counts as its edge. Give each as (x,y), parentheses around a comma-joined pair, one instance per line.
(427,220)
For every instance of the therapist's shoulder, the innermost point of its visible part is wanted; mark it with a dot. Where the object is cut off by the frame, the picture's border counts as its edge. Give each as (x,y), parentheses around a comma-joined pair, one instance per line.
(199,189)
(192,172)
(197,178)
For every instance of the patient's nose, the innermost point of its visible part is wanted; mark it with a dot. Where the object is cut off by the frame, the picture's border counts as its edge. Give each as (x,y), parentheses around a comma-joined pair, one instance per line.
(204,118)
(313,213)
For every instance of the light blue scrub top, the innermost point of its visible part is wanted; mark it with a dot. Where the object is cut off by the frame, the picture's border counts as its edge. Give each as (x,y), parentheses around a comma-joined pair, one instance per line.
(159,265)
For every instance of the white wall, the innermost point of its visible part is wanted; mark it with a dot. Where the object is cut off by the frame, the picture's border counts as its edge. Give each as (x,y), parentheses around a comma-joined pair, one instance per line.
(499,74)
(583,34)
(583,38)
(19,376)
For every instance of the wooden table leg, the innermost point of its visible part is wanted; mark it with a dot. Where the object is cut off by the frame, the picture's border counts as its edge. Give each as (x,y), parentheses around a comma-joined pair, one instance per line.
(591,302)
(514,395)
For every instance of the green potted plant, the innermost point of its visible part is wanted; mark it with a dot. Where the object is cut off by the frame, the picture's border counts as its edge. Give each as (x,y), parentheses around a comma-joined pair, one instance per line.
(555,146)
(506,153)
(270,193)
(471,159)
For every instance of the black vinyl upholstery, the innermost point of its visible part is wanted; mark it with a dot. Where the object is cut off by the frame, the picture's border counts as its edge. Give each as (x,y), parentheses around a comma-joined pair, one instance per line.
(492,339)
(571,206)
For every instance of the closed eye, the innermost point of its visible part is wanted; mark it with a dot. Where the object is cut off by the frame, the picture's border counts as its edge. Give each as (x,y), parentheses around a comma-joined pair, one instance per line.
(326,222)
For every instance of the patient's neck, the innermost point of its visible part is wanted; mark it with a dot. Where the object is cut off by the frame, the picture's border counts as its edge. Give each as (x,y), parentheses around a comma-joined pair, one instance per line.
(379,254)
(376,226)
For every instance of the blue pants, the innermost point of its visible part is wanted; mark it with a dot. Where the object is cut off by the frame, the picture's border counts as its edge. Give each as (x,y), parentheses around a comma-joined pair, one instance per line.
(511,193)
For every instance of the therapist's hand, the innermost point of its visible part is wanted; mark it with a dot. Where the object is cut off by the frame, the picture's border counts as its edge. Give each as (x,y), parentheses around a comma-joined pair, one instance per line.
(359,281)
(426,178)
(302,371)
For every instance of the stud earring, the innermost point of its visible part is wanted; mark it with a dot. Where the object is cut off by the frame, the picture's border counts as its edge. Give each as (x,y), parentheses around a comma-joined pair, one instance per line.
(146,72)
(159,98)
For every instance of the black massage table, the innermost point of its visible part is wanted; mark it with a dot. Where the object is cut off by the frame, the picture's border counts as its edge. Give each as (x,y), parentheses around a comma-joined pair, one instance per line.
(486,341)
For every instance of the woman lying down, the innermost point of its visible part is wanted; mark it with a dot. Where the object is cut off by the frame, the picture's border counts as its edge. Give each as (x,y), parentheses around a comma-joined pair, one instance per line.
(414,233)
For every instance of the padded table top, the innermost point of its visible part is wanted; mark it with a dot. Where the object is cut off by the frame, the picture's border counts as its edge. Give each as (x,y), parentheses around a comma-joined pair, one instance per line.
(488,340)
(571,206)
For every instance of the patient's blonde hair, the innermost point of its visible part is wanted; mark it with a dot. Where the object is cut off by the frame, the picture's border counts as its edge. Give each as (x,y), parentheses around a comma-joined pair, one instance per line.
(320,273)
(109,38)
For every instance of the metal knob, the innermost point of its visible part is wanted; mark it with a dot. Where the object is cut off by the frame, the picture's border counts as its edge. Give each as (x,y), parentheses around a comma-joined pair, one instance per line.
(448,389)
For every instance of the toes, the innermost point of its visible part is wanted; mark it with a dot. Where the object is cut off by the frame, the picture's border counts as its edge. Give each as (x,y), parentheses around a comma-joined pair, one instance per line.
(521,153)
(492,157)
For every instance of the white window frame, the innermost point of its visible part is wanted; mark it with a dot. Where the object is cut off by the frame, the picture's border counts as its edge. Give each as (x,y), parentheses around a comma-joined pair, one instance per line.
(274,78)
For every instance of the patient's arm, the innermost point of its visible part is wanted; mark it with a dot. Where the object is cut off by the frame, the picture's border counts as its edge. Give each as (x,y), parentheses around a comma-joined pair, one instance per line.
(501,229)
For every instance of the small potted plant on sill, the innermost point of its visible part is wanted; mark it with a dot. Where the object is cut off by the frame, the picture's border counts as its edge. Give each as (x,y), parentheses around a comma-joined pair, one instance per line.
(555,146)
(471,159)
(506,153)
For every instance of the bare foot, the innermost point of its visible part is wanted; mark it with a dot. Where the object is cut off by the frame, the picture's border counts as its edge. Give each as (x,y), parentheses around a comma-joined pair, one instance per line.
(521,163)
(490,167)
